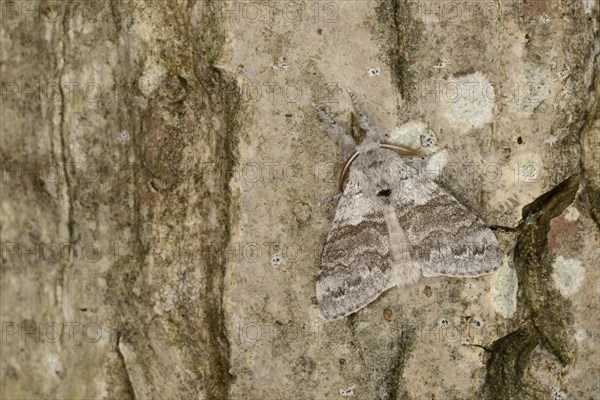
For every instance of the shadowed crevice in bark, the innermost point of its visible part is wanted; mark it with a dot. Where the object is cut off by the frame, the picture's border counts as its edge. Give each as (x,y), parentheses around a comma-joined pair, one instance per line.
(225,100)
(549,317)
(396,388)
(70,192)
(387,371)
(590,144)
(225,88)
(403,32)
(506,365)
(128,391)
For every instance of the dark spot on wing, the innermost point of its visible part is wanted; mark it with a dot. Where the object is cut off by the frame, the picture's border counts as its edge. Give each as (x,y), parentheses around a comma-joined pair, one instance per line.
(375,164)
(384,193)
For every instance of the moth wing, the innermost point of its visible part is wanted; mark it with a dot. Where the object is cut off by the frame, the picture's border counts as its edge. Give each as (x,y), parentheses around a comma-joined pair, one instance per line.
(355,264)
(445,237)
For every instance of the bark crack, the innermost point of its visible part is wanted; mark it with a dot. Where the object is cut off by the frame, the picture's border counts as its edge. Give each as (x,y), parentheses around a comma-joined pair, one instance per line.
(127,376)
(549,316)
(65,266)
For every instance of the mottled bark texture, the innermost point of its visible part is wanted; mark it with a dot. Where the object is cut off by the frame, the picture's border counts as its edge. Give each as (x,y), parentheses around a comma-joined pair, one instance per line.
(145,144)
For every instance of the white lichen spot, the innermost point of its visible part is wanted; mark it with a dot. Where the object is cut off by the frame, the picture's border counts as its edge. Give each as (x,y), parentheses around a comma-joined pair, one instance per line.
(277,260)
(80,155)
(428,138)
(123,137)
(562,75)
(580,334)
(371,72)
(544,19)
(415,134)
(558,394)
(572,214)
(441,65)
(589,5)
(347,392)
(551,140)
(280,67)
(52,363)
(568,275)
(153,75)
(504,291)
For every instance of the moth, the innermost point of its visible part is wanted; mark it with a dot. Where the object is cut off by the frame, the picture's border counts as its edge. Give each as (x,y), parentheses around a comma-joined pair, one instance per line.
(392,225)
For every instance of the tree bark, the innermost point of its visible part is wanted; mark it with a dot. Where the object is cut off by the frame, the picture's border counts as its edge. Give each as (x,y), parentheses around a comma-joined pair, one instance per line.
(167,190)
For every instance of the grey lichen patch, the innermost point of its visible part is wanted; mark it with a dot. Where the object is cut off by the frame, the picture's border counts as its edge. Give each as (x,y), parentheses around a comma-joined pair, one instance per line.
(572,214)
(471,105)
(504,291)
(153,75)
(568,275)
